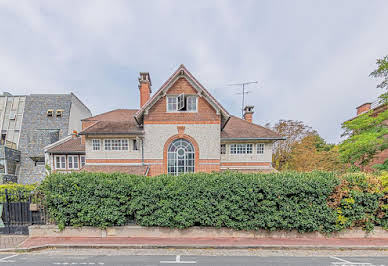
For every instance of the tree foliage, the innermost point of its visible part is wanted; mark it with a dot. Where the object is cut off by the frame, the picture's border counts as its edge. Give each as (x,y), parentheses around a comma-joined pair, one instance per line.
(382,73)
(365,138)
(366,134)
(303,149)
(313,153)
(293,131)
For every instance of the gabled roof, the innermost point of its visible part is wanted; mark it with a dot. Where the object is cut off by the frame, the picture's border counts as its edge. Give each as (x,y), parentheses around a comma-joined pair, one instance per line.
(119,121)
(114,115)
(181,72)
(70,146)
(113,127)
(238,128)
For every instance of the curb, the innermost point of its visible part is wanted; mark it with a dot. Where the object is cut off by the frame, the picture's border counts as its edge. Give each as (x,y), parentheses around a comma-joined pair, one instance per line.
(188,246)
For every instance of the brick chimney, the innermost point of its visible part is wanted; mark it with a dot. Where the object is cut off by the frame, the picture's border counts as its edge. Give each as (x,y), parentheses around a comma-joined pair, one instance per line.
(144,87)
(363,108)
(248,113)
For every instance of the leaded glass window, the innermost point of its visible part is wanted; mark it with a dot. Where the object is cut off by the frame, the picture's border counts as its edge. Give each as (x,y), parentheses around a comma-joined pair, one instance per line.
(180,157)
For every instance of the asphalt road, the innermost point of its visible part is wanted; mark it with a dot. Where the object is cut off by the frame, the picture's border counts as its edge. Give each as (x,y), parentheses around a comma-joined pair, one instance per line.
(150,260)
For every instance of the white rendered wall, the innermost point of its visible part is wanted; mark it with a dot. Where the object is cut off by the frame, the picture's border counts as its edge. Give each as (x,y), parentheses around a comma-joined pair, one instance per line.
(206,135)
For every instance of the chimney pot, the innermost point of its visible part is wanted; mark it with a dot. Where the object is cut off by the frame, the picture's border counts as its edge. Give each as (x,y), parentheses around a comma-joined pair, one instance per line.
(248,113)
(144,87)
(363,108)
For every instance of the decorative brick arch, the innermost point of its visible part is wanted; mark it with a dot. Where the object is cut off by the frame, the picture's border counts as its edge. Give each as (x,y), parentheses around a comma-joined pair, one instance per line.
(188,138)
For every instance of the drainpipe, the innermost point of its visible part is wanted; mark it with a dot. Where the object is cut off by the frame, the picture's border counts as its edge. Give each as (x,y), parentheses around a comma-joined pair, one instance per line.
(142,151)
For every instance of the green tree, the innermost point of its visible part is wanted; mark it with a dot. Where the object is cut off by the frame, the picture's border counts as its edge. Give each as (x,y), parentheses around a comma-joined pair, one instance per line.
(313,153)
(294,132)
(382,72)
(366,133)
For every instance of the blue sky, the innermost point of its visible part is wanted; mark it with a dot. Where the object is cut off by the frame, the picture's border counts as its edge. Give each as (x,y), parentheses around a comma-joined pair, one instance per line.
(311,58)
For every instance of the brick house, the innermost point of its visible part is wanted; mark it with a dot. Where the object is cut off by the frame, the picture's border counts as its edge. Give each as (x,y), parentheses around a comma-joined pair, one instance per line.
(180,128)
(376,107)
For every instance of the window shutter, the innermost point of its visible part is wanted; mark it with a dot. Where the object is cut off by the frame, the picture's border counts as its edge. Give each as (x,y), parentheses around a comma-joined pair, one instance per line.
(181,101)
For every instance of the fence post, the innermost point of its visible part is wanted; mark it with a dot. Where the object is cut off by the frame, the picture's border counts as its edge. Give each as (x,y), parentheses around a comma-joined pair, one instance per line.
(7,216)
(29,210)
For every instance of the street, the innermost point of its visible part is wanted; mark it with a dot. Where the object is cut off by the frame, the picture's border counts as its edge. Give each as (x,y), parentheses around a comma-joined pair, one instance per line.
(109,258)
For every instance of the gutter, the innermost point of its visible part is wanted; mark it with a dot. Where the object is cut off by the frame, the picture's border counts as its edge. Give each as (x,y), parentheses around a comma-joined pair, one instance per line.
(280,138)
(112,133)
(142,152)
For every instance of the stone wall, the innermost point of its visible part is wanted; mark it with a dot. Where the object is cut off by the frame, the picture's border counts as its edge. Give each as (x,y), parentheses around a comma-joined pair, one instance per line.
(39,130)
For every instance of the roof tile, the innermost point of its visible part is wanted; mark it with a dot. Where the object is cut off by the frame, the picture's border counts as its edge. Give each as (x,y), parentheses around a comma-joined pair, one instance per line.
(239,128)
(72,145)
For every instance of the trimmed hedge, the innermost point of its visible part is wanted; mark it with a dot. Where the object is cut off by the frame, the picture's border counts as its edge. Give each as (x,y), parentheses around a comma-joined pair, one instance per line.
(278,201)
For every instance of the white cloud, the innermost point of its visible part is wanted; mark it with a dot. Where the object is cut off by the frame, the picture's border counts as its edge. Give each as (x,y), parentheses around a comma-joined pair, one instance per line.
(311,58)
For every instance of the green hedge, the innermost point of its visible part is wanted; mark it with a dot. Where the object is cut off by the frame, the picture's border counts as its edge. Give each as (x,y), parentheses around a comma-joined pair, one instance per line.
(277,201)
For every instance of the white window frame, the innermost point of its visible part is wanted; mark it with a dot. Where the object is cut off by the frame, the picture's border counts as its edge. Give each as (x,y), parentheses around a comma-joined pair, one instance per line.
(260,148)
(124,145)
(62,163)
(107,144)
(95,143)
(116,145)
(241,148)
(82,160)
(171,104)
(178,109)
(196,103)
(73,160)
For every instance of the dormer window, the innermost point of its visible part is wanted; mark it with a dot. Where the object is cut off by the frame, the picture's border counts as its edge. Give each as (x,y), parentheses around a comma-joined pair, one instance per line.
(50,112)
(182,103)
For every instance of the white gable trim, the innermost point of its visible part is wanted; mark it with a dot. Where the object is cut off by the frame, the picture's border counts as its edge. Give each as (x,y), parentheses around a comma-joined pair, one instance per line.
(181,72)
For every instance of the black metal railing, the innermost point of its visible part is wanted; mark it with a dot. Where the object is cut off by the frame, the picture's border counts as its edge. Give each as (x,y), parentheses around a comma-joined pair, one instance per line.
(19,210)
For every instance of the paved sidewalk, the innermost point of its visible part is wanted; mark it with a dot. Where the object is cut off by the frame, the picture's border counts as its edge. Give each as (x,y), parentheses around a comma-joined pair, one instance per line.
(11,241)
(148,242)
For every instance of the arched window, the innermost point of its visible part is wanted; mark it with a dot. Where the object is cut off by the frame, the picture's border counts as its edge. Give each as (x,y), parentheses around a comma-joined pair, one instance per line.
(180,157)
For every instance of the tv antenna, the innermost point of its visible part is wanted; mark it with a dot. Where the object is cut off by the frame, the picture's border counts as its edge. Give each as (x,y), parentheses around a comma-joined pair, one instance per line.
(243,84)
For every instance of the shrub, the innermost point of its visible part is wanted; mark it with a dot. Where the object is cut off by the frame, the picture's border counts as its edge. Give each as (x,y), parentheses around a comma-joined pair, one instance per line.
(357,201)
(383,214)
(316,201)
(16,192)
(235,200)
(88,199)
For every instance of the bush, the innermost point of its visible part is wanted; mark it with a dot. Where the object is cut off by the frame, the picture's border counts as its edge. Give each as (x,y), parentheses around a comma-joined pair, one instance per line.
(316,201)
(88,199)
(16,192)
(384,201)
(357,201)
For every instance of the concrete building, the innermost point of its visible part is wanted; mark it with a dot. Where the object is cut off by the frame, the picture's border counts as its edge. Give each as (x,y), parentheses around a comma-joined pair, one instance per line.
(28,123)
(181,128)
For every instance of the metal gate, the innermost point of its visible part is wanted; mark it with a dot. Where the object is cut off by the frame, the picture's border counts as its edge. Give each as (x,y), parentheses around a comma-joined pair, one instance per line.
(18,211)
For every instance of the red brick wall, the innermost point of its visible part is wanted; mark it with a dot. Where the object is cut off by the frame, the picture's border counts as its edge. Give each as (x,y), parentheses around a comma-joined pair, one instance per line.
(205,114)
